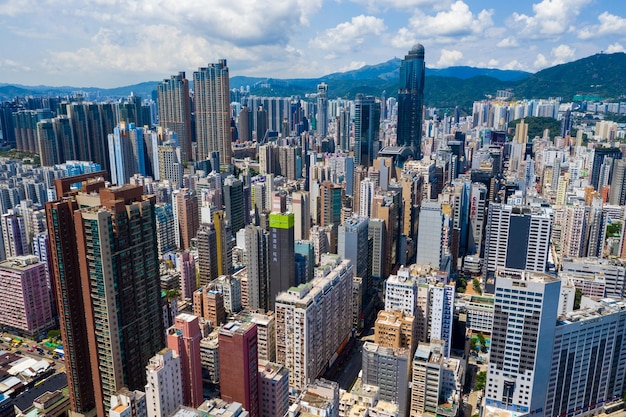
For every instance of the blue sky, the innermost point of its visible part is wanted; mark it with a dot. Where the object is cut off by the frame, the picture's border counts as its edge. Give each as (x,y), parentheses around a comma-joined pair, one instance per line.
(109,43)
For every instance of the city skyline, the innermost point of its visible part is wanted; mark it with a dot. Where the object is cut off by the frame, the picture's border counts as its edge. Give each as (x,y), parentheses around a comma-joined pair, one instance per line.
(107,44)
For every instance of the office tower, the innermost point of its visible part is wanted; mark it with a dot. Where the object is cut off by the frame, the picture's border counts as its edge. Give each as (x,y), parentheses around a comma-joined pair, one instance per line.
(165,228)
(281,255)
(574,233)
(184,339)
(330,204)
(233,203)
(394,329)
(305,261)
(441,314)
(186,215)
(525,313)
(126,403)
(273,389)
(353,245)
(437,382)
(26,305)
(343,129)
(588,350)
(212,109)
(206,240)
(617,194)
(322,110)
(175,110)
(388,369)
(187,266)
(302,214)
(366,129)
(477,214)
(239,374)
(516,238)
(314,320)
(47,144)
(257,266)
(599,154)
(14,235)
(164,390)
(430,234)
(104,253)
(170,164)
(411,100)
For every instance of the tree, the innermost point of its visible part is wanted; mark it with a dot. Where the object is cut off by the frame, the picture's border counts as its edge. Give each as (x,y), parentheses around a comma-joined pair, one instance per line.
(472,344)
(476,285)
(54,334)
(483,342)
(481,380)
(577,298)
(171,294)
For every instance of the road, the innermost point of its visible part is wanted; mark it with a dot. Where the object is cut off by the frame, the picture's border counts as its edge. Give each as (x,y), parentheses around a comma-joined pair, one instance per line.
(349,371)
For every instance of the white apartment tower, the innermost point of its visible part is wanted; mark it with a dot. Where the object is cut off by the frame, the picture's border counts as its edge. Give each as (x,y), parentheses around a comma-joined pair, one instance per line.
(164,393)
(313,320)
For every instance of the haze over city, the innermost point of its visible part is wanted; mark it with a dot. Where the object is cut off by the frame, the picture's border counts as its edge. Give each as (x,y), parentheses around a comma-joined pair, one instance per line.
(114,43)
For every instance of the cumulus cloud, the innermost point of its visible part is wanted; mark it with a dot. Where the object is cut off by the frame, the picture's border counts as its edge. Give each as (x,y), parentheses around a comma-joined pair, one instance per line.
(404,39)
(377,5)
(449,58)
(551,18)
(507,43)
(456,21)
(615,47)
(347,35)
(608,24)
(562,53)
(541,61)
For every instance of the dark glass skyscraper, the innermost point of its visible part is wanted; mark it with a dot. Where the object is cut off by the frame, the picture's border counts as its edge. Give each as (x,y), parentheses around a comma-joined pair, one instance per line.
(411,100)
(366,127)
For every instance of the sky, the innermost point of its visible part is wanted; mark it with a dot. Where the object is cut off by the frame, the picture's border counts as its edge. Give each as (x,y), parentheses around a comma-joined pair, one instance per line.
(110,43)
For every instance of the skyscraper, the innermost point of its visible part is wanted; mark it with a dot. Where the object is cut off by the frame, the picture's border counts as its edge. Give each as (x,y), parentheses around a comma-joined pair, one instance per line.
(164,388)
(184,339)
(322,110)
(282,261)
(617,195)
(105,238)
(211,86)
(599,154)
(411,100)
(239,377)
(257,248)
(186,217)
(175,110)
(302,212)
(525,313)
(366,128)
(430,234)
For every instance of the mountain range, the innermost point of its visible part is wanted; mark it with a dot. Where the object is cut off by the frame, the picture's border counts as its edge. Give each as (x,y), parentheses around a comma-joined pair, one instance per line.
(601,75)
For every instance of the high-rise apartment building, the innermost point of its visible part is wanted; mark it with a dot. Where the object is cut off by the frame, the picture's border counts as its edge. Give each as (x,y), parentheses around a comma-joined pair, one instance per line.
(411,100)
(574,232)
(273,389)
(322,110)
(206,240)
(164,389)
(186,217)
(301,207)
(617,194)
(313,320)
(388,369)
(516,238)
(257,266)
(234,203)
(353,242)
(184,339)
(211,87)
(26,305)
(394,329)
(366,129)
(105,254)
(441,314)
(239,374)
(187,266)
(175,111)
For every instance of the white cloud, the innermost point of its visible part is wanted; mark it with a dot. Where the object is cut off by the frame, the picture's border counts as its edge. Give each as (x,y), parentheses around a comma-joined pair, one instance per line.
(541,61)
(353,65)
(404,39)
(507,43)
(449,58)
(456,21)
(551,18)
(609,24)
(562,53)
(492,63)
(347,35)
(378,5)
(514,65)
(615,47)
